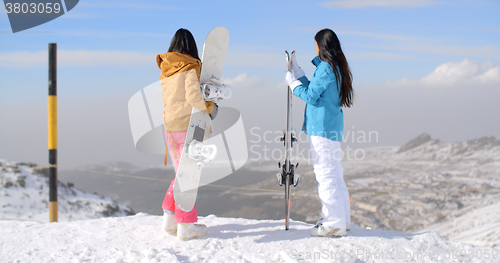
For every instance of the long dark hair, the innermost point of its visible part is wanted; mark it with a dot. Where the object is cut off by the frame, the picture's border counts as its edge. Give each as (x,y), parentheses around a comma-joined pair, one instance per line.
(183,42)
(331,52)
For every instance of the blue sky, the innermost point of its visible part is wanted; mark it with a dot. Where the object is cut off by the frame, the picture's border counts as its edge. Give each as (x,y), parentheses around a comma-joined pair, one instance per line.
(386,42)
(108,49)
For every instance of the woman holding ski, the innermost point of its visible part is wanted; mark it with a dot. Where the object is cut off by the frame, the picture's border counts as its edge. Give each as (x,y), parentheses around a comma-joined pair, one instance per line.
(325,94)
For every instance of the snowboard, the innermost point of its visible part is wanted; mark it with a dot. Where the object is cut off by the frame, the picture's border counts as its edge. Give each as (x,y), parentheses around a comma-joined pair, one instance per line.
(195,154)
(287,176)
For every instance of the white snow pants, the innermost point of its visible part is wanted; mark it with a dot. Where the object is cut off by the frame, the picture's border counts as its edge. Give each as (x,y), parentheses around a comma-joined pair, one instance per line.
(335,207)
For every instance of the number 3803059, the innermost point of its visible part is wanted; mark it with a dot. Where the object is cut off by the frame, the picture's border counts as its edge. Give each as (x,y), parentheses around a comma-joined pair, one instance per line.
(32,8)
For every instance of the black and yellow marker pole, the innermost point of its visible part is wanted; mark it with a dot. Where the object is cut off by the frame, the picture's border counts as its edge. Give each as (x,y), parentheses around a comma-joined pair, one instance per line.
(53,210)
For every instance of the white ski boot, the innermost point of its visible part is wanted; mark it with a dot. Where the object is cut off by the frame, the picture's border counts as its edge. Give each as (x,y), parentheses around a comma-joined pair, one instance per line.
(169,226)
(320,221)
(326,231)
(187,231)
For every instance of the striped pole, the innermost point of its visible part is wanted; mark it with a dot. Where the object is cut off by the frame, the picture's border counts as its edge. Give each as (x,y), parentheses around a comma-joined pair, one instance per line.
(53,212)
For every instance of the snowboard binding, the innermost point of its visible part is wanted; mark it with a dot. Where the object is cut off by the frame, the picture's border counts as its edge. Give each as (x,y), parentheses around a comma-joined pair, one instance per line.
(216,93)
(204,154)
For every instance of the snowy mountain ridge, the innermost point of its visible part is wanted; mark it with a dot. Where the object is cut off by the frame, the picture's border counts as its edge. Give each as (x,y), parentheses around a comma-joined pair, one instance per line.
(24,195)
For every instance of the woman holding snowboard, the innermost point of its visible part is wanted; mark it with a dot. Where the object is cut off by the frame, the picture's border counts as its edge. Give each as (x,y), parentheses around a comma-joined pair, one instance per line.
(180,81)
(325,94)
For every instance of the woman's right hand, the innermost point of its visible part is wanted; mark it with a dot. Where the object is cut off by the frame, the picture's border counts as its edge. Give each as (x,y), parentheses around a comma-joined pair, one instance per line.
(296,69)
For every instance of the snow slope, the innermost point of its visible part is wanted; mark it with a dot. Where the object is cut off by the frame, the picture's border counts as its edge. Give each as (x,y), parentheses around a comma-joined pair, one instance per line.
(138,239)
(24,195)
(480,227)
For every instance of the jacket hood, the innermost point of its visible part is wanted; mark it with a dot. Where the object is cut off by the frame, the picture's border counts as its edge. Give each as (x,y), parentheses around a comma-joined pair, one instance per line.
(171,63)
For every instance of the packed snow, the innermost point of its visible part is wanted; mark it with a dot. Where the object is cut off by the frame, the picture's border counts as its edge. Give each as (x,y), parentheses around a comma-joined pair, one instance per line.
(139,239)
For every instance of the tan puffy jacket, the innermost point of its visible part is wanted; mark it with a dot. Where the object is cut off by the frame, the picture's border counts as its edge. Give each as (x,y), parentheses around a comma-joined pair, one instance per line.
(180,81)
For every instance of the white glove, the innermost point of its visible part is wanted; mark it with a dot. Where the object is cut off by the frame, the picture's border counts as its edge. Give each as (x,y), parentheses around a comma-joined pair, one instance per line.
(291,81)
(296,70)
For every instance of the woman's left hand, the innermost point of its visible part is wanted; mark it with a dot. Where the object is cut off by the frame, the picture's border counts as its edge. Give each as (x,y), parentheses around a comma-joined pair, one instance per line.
(296,69)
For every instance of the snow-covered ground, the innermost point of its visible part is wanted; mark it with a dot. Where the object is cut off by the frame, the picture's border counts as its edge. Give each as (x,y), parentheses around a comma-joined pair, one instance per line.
(139,239)
(24,195)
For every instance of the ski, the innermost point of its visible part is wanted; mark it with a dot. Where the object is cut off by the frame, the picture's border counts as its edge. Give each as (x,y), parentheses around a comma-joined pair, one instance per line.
(287,175)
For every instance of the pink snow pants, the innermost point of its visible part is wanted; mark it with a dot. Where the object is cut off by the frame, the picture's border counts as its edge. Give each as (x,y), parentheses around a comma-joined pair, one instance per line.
(175,140)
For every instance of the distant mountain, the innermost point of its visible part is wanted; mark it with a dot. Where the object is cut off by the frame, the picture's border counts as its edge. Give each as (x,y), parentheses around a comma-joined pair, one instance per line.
(24,195)
(424,182)
(421,139)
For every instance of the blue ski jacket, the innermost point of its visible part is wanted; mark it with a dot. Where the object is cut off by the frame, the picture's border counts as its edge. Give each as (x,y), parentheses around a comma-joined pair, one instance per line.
(323,115)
